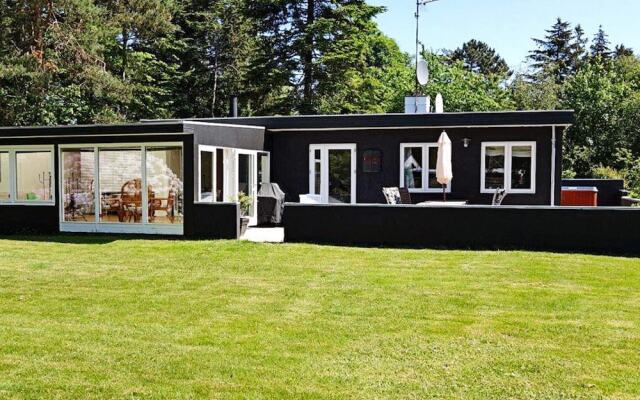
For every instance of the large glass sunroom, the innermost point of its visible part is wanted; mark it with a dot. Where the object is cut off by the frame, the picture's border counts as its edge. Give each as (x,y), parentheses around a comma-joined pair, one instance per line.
(151,178)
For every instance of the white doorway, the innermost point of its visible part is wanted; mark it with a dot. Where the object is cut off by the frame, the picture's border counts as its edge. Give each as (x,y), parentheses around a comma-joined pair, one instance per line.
(332,172)
(227,172)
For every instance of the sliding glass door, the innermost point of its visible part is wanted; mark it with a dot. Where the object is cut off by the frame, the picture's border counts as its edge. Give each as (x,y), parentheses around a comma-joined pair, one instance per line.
(122,188)
(332,172)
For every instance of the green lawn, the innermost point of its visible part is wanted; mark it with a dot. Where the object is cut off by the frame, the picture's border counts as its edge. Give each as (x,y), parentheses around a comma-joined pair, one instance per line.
(106,318)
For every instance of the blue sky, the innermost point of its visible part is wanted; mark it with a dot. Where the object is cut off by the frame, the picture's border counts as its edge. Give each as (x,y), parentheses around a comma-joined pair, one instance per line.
(506,25)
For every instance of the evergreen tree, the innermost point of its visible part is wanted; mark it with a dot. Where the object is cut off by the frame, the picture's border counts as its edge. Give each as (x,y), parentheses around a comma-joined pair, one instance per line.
(218,47)
(623,51)
(51,65)
(479,57)
(557,53)
(305,43)
(579,49)
(600,45)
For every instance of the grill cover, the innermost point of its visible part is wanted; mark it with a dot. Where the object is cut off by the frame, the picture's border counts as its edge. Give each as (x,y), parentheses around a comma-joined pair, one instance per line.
(270,204)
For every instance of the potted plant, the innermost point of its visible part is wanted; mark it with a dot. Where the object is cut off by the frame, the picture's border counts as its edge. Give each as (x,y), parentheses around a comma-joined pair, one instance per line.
(245,207)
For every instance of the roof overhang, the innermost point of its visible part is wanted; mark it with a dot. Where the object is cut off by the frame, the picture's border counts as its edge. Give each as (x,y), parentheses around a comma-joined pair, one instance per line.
(403,121)
(100,130)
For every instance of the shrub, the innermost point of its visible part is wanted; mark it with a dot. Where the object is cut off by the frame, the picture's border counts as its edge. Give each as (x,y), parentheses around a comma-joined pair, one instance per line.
(601,172)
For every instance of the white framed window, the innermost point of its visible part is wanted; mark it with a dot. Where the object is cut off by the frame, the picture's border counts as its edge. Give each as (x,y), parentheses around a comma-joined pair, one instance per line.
(508,165)
(418,168)
(27,175)
(332,172)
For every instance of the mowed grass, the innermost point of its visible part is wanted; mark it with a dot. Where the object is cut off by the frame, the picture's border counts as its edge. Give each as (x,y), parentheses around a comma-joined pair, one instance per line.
(104,318)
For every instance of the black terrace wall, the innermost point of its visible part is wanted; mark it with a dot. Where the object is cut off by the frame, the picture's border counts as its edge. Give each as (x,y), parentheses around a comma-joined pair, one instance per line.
(599,230)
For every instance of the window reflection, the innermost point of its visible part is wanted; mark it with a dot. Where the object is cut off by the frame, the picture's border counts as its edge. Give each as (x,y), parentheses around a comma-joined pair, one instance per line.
(78,167)
(120,174)
(34,179)
(165,185)
(206,176)
(5,183)
(413,167)
(521,161)
(494,167)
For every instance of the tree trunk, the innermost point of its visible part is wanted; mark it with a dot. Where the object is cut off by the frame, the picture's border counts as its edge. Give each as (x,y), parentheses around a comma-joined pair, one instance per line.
(215,88)
(125,55)
(307,59)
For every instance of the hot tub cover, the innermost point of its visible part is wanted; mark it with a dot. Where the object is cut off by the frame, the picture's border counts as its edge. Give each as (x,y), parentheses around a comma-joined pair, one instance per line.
(270,204)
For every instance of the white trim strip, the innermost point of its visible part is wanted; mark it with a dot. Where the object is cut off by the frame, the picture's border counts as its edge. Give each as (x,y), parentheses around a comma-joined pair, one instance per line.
(138,228)
(257,127)
(363,128)
(553,166)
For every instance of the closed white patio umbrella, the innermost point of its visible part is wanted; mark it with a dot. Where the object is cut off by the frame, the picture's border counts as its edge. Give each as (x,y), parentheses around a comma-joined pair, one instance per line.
(444,170)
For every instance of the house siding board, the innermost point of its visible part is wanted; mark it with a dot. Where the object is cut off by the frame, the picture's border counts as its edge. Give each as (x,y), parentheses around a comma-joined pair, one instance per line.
(213,221)
(228,136)
(290,160)
(18,219)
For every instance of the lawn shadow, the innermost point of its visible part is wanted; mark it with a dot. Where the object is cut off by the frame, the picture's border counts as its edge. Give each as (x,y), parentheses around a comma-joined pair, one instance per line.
(84,238)
(482,248)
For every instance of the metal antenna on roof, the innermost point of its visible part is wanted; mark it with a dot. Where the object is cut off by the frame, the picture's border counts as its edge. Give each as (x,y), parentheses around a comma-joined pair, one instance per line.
(419,66)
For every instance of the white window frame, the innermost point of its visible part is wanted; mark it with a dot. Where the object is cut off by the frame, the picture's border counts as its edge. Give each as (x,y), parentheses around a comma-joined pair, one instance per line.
(508,146)
(213,150)
(425,168)
(97,226)
(324,168)
(13,175)
(253,174)
(230,185)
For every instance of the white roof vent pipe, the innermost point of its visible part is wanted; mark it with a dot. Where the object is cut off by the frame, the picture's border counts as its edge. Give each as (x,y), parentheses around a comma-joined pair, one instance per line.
(439,104)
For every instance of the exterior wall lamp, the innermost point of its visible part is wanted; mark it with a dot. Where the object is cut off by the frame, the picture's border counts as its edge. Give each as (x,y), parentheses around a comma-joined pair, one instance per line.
(466,142)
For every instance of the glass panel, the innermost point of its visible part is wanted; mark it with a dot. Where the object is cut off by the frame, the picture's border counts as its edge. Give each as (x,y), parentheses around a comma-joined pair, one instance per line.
(165,185)
(245,181)
(317,173)
(120,175)
(5,184)
(413,167)
(34,176)
(263,168)
(494,167)
(78,185)
(220,175)
(339,176)
(317,155)
(206,176)
(521,161)
(433,162)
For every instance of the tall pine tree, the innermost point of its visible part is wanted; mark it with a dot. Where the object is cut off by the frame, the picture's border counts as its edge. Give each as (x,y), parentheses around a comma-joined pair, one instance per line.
(307,43)
(558,53)
(600,46)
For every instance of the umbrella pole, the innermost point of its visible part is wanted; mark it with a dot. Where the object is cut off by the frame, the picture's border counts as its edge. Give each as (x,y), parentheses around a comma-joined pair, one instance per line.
(444,192)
